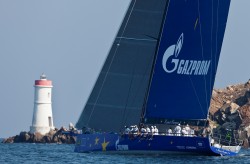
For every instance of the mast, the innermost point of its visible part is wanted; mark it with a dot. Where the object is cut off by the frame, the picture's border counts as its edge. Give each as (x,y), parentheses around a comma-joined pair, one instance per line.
(154,62)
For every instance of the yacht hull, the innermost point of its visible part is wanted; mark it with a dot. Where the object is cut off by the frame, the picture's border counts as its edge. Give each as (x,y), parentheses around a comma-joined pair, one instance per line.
(148,144)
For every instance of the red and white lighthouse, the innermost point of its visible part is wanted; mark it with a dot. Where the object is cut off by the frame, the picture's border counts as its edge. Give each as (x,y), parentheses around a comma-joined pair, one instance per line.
(42,121)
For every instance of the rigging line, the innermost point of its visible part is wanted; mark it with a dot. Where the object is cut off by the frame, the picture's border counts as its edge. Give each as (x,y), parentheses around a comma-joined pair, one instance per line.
(202,52)
(197,96)
(138,88)
(99,93)
(129,89)
(154,60)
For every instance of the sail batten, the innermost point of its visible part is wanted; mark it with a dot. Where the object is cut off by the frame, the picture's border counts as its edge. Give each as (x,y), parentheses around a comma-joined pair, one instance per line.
(137,39)
(113,106)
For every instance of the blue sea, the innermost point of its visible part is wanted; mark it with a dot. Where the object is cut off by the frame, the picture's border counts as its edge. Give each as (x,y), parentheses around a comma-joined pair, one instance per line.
(60,153)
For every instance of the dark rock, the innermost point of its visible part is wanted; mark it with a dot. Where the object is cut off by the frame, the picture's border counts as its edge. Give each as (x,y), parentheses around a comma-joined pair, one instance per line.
(52,132)
(217,117)
(228,126)
(24,137)
(245,143)
(245,115)
(63,138)
(16,139)
(60,131)
(47,139)
(38,138)
(55,139)
(244,99)
(235,118)
(8,140)
(242,135)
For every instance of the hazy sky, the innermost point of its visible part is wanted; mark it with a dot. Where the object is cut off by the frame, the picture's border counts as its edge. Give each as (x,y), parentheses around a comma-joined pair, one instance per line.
(69,41)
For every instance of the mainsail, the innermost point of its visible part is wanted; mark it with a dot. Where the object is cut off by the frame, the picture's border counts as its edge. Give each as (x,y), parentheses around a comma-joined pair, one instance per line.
(118,96)
(187,60)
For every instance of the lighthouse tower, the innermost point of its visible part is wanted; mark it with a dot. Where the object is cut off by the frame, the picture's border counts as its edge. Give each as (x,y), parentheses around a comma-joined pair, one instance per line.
(42,121)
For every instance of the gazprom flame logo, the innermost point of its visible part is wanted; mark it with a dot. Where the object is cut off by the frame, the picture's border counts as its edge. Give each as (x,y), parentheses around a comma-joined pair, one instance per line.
(180,66)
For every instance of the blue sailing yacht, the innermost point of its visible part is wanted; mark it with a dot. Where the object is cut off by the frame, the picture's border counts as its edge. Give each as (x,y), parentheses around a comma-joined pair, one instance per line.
(160,72)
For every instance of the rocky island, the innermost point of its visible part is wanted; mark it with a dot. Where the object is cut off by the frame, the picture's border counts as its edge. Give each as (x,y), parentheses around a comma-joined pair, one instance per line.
(61,136)
(229,110)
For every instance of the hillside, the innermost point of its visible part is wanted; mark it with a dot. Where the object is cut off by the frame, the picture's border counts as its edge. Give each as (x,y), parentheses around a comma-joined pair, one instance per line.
(230,108)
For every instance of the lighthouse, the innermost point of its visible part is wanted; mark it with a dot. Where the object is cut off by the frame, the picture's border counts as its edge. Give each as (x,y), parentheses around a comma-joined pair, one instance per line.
(42,121)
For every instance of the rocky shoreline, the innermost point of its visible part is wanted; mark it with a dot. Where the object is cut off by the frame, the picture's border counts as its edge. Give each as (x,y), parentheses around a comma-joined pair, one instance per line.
(61,136)
(229,110)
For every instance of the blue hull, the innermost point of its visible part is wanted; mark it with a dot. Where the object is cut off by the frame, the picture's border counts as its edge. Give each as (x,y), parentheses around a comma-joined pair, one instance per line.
(159,144)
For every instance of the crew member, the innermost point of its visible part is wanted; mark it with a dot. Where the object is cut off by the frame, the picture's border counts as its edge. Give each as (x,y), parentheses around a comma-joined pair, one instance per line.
(170,132)
(152,130)
(177,130)
(148,130)
(127,130)
(188,130)
(156,130)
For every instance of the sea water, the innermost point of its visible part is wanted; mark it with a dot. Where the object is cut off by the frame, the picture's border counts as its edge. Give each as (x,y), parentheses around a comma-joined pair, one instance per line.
(62,153)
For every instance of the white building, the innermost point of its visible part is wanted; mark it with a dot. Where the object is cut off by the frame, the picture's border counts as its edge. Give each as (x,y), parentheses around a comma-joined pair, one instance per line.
(42,121)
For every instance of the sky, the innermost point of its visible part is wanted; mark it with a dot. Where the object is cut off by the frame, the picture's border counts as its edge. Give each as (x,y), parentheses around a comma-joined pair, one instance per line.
(69,41)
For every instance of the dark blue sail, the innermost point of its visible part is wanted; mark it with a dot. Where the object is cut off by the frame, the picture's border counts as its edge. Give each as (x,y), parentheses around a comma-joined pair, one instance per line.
(187,59)
(119,93)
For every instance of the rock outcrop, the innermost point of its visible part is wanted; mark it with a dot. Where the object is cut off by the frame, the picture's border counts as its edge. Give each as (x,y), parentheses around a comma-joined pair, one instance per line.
(230,110)
(61,136)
